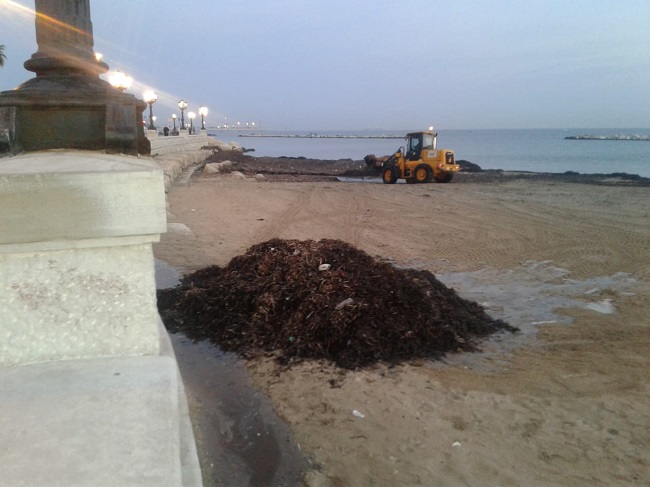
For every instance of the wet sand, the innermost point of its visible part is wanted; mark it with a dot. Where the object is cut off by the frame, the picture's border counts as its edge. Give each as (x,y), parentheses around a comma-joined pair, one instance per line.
(564,403)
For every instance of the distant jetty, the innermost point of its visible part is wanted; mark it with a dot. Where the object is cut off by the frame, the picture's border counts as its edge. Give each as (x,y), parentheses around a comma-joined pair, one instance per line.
(608,137)
(319,136)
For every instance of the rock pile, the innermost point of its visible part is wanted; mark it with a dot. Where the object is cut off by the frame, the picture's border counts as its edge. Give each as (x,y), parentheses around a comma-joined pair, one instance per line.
(324,300)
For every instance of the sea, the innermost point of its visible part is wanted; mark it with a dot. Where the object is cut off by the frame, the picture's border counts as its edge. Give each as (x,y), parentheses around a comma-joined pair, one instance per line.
(536,150)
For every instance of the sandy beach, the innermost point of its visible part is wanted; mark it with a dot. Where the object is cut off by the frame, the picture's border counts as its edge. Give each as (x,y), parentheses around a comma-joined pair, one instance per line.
(564,402)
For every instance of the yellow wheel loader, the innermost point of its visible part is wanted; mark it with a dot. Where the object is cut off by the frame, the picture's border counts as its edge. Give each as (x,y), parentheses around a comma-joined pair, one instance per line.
(420,161)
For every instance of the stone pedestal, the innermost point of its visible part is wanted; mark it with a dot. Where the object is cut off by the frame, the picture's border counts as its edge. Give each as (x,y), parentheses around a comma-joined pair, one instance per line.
(44,116)
(67,105)
(76,260)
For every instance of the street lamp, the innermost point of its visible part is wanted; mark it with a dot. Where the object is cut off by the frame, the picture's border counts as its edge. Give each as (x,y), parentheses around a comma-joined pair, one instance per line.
(174,117)
(120,80)
(182,105)
(191,116)
(203,111)
(150,97)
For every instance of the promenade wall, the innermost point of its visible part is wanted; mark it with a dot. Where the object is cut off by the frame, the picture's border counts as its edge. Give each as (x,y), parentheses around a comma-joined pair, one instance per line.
(162,145)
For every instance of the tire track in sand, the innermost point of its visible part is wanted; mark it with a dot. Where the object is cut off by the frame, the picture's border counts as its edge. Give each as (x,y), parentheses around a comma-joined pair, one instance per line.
(318,211)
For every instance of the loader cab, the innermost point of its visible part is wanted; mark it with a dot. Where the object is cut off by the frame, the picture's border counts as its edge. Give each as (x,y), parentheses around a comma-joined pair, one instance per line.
(416,142)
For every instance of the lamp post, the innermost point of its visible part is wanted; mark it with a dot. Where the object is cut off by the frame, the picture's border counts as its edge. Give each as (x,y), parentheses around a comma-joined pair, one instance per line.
(174,117)
(182,105)
(150,97)
(191,116)
(120,80)
(203,111)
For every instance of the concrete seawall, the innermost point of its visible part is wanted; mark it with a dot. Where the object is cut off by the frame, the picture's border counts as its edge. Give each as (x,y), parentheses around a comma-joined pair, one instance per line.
(161,145)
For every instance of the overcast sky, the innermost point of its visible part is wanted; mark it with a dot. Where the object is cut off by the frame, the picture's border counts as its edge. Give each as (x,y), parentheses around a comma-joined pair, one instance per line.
(357,64)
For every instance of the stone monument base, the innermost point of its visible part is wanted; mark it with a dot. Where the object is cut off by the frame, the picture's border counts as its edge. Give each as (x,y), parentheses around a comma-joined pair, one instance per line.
(71,112)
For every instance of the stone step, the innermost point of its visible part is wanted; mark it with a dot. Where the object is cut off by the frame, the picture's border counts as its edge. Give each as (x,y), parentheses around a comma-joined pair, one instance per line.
(95,422)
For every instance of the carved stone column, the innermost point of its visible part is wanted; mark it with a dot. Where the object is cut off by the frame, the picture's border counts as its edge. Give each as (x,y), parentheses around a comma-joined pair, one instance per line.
(67,105)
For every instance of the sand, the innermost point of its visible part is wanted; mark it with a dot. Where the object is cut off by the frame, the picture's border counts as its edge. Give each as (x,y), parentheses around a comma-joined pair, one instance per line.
(565,402)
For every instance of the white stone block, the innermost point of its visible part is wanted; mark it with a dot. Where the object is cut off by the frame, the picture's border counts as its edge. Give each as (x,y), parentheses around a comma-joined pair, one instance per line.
(76,263)
(67,195)
(76,303)
(99,422)
(212,168)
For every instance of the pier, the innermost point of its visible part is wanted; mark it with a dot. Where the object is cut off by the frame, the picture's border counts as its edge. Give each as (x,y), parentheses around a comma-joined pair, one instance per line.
(608,137)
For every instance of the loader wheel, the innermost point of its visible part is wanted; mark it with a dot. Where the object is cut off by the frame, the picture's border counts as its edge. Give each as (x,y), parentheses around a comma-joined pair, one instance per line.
(389,176)
(444,179)
(422,174)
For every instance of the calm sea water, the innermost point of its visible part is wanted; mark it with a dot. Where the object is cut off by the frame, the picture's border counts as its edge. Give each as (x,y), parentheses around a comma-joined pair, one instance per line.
(523,150)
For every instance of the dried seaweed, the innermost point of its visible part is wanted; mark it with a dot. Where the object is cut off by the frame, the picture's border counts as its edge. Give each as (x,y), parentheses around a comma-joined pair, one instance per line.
(354,311)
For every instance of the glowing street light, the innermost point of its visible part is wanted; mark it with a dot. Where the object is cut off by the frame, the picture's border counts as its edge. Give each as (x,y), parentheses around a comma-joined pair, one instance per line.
(203,111)
(120,80)
(191,116)
(150,97)
(182,105)
(174,117)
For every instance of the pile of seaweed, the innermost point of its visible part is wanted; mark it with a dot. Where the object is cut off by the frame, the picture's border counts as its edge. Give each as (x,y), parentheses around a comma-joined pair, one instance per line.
(324,300)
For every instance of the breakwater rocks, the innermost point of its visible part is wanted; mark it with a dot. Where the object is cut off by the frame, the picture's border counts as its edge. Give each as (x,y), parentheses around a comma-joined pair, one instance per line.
(176,163)
(608,137)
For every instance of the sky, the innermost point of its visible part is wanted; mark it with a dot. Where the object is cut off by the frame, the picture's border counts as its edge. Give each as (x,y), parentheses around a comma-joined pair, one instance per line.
(372,64)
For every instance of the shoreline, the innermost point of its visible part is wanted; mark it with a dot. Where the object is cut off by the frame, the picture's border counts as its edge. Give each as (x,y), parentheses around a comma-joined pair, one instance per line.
(544,150)
(302,168)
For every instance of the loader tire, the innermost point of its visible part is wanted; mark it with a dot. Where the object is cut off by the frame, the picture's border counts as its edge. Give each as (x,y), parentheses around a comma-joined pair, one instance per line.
(422,174)
(389,175)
